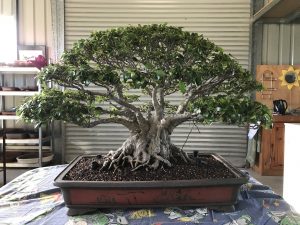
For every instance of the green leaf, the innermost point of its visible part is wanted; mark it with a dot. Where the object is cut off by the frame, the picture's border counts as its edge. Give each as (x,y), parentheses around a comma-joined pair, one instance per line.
(182,87)
(160,74)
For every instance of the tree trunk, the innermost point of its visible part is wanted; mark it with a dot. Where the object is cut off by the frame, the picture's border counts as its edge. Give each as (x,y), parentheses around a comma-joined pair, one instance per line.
(150,150)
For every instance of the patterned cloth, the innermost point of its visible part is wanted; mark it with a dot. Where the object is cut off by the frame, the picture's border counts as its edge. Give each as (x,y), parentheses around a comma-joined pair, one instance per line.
(32,199)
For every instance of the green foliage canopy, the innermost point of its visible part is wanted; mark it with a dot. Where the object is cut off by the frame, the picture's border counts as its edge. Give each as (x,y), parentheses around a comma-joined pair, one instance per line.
(158,59)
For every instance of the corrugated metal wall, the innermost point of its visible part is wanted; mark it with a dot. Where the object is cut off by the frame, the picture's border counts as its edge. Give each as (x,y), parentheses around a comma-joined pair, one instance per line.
(224,22)
(275,43)
(7,7)
(280,44)
(35,26)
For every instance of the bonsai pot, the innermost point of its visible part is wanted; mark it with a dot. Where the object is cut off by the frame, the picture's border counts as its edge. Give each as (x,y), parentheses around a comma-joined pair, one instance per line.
(81,196)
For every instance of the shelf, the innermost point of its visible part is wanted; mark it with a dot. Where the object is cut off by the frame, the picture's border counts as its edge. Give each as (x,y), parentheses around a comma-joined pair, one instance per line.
(18,70)
(18,93)
(25,141)
(9,117)
(278,11)
(24,165)
(286,118)
(27,145)
(25,148)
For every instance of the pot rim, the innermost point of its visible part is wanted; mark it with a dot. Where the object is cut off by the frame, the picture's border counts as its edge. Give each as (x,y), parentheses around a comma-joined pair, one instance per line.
(241,178)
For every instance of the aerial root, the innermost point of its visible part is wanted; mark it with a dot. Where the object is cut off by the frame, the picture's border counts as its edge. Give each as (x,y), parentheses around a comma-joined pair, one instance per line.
(162,160)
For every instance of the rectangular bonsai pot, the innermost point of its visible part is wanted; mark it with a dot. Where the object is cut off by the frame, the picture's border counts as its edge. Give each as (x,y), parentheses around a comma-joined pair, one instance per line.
(116,194)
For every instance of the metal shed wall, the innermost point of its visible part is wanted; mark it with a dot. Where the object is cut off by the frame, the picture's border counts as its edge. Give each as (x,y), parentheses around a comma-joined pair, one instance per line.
(224,22)
(7,7)
(280,44)
(275,43)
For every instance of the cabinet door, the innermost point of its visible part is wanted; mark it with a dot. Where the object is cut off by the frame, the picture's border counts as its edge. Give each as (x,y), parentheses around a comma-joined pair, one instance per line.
(277,149)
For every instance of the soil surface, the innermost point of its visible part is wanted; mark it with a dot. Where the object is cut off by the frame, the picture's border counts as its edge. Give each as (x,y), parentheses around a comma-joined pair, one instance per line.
(205,167)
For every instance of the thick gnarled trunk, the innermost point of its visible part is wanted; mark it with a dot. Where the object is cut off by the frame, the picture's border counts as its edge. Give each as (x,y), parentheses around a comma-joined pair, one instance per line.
(148,150)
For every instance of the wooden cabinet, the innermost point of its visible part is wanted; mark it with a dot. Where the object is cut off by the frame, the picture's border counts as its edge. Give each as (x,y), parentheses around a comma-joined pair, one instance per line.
(270,159)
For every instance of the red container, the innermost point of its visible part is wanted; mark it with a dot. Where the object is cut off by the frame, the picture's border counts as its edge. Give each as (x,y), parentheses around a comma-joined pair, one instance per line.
(99,194)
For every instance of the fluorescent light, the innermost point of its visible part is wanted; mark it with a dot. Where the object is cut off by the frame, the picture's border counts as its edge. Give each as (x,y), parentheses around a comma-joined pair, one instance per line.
(8,39)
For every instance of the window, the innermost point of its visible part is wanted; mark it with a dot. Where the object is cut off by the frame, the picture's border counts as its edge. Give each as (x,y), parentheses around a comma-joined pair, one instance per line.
(8,39)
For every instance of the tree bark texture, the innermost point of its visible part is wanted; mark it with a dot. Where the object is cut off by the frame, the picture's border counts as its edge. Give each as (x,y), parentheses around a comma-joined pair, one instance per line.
(150,149)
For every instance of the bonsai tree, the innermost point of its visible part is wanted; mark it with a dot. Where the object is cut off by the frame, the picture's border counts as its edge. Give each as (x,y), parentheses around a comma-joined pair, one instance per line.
(160,60)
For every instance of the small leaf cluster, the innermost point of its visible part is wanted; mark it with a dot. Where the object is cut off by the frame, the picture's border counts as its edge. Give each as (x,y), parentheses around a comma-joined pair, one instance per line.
(149,55)
(232,110)
(68,75)
(53,104)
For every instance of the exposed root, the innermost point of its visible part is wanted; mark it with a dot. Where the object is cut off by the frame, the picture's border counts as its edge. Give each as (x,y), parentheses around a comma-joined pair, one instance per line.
(112,163)
(129,159)
(163,160)
(155,165)
(183,155)
(105,163)
(173,158)
(142,152)
(116,168)
(141,165)
(186,157)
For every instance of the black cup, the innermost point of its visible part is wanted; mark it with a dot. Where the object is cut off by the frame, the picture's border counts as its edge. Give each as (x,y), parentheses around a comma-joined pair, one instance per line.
(280,106)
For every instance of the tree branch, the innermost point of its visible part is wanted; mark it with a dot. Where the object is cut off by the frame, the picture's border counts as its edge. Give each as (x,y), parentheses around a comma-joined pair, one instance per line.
(172,122)
(119,100)
(133,127)
(119,91)
(206,88)
(156,105)
(124,113)
(140,118)
(182,107)
(162,98)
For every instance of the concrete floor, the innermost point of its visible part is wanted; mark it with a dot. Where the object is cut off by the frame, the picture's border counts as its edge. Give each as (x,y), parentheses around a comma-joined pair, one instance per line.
(275,182)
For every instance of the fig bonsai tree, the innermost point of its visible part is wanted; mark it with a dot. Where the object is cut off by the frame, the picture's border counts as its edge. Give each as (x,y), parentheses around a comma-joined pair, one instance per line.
(160,60)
